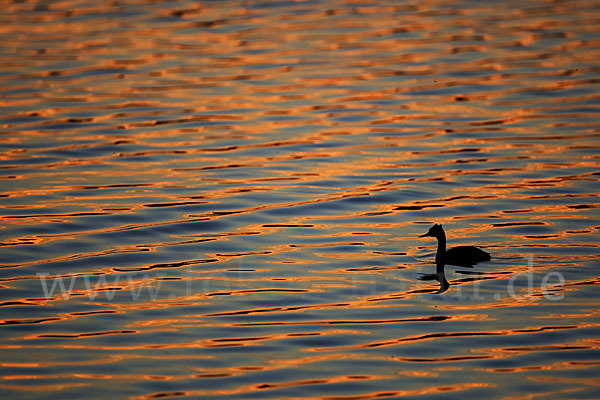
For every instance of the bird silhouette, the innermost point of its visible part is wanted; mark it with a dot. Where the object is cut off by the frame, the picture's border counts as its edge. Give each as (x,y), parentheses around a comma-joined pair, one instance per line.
(464,256)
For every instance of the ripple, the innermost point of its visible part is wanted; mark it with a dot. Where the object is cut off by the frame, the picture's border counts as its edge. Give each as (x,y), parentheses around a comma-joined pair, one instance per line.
(224,199)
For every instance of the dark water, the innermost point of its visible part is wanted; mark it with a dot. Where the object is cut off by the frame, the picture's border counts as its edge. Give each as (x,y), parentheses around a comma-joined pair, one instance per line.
(223,199)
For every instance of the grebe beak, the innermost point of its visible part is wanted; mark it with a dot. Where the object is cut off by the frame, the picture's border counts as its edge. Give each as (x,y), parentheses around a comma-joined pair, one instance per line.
(425,234)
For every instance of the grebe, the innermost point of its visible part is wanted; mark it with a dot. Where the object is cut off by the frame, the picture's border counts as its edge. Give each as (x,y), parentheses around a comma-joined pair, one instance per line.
(464,256)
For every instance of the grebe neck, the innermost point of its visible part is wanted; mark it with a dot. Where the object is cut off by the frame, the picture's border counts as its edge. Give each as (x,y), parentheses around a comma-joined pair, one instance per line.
(440,257)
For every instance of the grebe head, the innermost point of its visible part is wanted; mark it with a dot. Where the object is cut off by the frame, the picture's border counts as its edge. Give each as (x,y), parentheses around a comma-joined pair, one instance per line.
(434,231)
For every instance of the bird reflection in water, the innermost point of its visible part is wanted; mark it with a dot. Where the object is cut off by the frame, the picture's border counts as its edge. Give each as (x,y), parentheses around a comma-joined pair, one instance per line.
(463,256)
(439,276)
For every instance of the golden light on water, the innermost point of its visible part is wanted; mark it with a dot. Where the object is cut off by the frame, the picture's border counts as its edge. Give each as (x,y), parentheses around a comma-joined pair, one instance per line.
(224,199)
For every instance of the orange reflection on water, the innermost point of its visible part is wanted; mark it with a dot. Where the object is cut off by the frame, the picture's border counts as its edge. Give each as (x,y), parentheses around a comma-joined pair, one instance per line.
(279,159)
(339,379)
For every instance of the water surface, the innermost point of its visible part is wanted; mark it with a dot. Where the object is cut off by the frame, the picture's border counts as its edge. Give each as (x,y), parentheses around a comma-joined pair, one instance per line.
(223,199)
